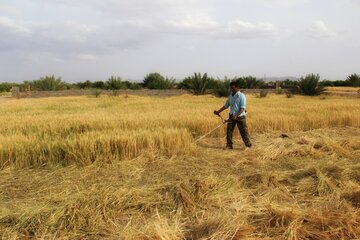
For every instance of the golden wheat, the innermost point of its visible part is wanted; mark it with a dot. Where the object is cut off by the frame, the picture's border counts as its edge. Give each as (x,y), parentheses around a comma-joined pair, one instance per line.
(83,130)
(127,168)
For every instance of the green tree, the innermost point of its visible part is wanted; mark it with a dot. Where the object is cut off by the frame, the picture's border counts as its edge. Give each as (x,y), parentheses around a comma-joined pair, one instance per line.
(48,83)
(222,87)
(84,85)
(249,82)
(98,85)
(288,82)
(132,85)
(354,80)
(6,87)
(198,84)
(115,83)
(309,85)
(336,83)
(157,81)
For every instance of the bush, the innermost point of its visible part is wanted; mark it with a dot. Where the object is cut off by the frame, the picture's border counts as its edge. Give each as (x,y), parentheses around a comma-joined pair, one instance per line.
(47,83)
(336,83)
(157,81)
(198,84)
(115,83)
(97,93)
(289,83)
(289,95)
(249,82)
(309,85)
(5,94)
(114,93)
(279,91)
(222,88)
(6,87)
(84,85)
(263,93)
(98,85)
(132,85)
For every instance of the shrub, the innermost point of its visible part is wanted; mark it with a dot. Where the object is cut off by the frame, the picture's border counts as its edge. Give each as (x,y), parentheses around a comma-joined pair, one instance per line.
(289,95)
(115,93)
(5,94)
(6,87)
(84,85)
(279,91)
(221,88)
(157,81)
(115,83)
(353,80)
(97,93)
(309,85)
(98,84)
(132,85)
(249,82)
(263,93)
(47,83)
(336,83)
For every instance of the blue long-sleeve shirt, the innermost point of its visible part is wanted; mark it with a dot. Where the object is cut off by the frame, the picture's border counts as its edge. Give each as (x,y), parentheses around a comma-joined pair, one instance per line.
(235,102)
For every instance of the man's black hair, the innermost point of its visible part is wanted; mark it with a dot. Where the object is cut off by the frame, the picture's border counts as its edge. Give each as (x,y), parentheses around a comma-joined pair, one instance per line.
(234,83)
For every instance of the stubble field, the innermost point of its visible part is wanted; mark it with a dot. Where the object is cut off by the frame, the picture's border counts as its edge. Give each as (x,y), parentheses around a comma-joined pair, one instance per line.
(127,167)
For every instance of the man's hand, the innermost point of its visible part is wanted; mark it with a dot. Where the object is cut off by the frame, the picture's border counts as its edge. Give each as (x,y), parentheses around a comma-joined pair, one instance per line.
(219,111)
(234,118)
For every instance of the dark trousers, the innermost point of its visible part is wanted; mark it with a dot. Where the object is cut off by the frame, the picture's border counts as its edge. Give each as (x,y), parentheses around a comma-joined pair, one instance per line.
(241,124)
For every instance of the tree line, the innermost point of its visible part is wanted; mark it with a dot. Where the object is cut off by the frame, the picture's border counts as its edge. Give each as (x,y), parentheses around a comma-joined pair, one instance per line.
(197,84)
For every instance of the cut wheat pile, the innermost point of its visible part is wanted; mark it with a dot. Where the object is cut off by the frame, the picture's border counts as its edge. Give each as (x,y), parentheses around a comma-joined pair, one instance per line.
(126,168)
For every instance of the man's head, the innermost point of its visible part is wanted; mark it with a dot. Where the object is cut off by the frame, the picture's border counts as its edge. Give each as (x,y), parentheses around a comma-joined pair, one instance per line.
(234,87)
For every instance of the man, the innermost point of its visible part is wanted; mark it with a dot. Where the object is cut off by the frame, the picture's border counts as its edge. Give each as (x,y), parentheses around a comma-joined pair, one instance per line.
(237,104)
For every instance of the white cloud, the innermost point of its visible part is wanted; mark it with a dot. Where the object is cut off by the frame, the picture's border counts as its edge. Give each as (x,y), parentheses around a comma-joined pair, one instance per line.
(245,29)
(10,25)
(9,10)
(85,56)
(320,30)
(68,32)
(94,31)
(137,9)
(283,3)
(232,30)
(193,24)
(60,42)
(351,2)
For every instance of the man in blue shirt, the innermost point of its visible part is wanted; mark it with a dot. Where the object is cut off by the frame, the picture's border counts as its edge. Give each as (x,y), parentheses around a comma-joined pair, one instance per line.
(237,103)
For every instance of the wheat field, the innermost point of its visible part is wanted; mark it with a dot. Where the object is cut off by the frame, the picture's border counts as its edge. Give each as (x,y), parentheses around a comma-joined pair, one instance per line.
(127,167)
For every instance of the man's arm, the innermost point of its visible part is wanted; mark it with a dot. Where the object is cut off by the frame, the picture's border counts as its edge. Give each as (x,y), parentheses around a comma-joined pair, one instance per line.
(227,104)
(238,113)
(220,110)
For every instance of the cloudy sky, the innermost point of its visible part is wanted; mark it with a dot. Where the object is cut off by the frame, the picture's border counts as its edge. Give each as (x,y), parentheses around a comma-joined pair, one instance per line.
(94,39)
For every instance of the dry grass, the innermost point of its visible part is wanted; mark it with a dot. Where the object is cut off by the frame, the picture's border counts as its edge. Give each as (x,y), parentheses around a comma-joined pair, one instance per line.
(84,130)
(343,89)
(126,168)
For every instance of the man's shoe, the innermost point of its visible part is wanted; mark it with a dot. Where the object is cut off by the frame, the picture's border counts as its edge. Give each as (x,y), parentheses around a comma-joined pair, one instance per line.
(229,147)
